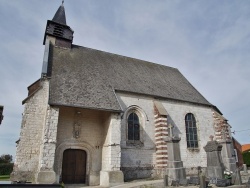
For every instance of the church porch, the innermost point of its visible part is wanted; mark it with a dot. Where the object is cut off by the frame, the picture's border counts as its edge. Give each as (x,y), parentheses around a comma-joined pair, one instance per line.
(94,135)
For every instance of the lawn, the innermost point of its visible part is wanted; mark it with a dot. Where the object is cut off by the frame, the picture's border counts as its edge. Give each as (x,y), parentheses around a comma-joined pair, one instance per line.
(4,177)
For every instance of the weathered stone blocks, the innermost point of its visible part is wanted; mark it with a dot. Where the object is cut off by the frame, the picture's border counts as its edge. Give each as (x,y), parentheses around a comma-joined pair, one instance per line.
(28,148)
(46,177)
(111,178)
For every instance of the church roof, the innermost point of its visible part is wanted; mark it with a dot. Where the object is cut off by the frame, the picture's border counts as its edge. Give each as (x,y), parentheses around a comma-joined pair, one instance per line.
(60,16)
(88,78)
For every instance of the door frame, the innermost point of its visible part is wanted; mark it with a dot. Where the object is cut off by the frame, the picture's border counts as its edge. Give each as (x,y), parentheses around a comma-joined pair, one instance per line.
(72,145)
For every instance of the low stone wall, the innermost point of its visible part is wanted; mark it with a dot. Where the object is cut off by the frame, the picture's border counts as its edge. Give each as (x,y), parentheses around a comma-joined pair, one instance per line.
(245,176)
(194,171)
(133,173)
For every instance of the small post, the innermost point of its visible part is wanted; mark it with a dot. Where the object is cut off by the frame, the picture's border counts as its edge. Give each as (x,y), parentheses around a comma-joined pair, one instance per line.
(237,177)
(166,181)
(245,169)
(202,179)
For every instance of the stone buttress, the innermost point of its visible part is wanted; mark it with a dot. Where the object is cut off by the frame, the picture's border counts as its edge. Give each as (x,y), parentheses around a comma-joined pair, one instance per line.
(36,146)
(110,174)
(223,136)
(46,172)
(161,132)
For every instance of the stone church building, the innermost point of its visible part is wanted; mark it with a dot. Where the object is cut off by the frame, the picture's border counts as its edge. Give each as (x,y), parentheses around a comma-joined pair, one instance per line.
(98,118)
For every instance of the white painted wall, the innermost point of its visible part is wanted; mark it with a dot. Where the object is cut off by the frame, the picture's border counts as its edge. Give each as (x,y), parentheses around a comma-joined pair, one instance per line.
(204,122)
(145,155)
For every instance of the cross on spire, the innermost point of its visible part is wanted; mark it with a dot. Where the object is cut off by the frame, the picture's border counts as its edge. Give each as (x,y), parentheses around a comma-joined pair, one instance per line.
(62,2)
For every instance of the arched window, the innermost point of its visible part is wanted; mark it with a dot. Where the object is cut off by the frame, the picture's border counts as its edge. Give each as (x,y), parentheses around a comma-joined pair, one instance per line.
(191,131)
(133,127)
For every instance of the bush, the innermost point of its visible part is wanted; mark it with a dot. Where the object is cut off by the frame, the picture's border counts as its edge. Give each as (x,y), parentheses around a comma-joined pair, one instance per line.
(6,169)
(246,158)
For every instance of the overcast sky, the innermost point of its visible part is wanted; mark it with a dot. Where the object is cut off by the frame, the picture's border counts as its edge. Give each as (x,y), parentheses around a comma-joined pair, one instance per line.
(207,40)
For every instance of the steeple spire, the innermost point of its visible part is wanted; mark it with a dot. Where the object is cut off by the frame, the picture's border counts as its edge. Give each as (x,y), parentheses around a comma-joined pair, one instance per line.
(58,29)
(60,16)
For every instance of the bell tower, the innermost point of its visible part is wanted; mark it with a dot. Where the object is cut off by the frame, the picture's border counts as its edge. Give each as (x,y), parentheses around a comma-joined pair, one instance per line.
(57,30)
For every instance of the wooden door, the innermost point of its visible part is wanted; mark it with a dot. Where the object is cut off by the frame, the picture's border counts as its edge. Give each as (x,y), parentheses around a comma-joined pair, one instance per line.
(74,166)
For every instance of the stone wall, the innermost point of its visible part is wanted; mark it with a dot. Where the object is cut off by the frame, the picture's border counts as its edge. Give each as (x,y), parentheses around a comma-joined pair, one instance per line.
(111,147)
(110,174)
(82,129)
(48,131)
(221,127)
(48,147)
(204,121)
(138,159)
(28,147)
(46,174)
(143,157)
(238,150)
(161,132)
(224,137)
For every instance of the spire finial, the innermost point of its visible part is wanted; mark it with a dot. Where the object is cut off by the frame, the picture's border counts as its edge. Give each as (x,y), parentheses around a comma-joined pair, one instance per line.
(62,2)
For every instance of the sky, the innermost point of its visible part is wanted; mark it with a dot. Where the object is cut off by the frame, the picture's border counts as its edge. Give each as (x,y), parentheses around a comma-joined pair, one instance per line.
(208,41)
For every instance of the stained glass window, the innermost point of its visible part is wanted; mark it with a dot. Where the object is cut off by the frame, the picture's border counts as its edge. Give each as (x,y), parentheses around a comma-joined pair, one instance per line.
(133,127)
(191,131)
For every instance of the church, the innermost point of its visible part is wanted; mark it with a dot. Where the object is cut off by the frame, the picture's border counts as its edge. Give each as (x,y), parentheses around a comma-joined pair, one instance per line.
(98,118)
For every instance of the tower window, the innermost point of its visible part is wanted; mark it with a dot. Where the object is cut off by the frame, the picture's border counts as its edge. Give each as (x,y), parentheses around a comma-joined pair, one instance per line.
(191,131)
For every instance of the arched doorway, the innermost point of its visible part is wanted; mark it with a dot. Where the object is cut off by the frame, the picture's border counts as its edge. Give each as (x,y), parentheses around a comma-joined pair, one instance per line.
(74,166)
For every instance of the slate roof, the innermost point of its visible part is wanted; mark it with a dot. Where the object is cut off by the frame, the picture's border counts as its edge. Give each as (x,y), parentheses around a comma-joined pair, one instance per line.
(88,78)
(60,16)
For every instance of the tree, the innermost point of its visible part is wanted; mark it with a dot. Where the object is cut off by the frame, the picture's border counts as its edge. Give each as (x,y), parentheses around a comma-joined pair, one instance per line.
(5,158)
(246,158)
(6,165)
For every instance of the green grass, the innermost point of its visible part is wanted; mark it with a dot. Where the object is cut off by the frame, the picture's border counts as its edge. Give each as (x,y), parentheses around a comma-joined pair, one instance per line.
(4,177)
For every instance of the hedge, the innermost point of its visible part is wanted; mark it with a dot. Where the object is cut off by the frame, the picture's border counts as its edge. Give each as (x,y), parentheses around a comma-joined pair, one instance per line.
(6,168)
(246,158)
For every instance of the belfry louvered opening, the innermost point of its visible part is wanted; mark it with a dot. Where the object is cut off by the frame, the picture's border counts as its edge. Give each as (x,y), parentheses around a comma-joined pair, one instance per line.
(58,30)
